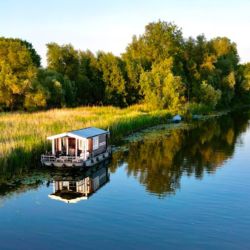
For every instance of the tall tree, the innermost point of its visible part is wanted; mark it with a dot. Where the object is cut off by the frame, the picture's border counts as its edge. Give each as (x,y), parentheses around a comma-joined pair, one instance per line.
(17,73)
(63,59)
(114,78)
(161,40)
(161,89)
(90,83)
(36,59)
(214,62)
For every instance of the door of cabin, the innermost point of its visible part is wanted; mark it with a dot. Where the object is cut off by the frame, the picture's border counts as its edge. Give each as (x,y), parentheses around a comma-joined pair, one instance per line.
(72,146)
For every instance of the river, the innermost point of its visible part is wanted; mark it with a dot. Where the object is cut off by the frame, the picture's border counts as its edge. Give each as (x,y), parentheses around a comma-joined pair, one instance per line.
(171,187)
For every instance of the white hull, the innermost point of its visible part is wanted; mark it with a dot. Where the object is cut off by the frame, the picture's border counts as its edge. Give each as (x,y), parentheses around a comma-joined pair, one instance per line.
(58,164)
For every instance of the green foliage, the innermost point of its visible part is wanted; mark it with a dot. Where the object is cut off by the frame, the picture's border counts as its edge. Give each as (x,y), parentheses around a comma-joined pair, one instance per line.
(216,62)
(90,86)
(36,59)
(35,99)
(113,76)
(243,87)
(161,89)
(208,95)
(159,68)
(59,90)
(17,72)
(63,59)
(34,56)
(161,40)
(196,109)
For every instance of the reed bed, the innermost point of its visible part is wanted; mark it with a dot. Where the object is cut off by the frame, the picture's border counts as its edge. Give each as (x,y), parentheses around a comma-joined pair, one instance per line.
(23,135)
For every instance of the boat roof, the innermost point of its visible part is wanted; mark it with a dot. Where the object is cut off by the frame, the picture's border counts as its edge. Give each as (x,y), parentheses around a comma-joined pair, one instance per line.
(81,133)
(67,200)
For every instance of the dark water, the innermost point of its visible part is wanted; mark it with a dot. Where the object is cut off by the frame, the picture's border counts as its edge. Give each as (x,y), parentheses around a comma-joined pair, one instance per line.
(177,189)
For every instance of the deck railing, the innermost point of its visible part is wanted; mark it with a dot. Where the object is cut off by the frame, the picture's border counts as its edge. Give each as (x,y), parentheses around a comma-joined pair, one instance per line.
(64,158)
(71,159)
(48,158)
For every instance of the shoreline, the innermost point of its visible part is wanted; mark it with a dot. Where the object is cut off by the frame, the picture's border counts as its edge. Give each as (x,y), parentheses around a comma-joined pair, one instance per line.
(24,134)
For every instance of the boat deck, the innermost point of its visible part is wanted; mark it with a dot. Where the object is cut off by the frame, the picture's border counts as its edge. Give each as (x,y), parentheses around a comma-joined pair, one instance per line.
(73,161)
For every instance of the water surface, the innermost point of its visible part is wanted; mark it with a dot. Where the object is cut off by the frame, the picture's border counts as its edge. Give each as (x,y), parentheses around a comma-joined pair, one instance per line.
(185,188)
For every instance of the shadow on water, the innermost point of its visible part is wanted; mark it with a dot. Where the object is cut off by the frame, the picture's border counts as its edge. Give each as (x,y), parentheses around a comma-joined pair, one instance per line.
(74,187)
(69,186)
(159,162)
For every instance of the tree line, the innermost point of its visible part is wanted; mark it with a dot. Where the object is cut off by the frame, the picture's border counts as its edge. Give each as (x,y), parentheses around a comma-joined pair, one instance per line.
(160,68)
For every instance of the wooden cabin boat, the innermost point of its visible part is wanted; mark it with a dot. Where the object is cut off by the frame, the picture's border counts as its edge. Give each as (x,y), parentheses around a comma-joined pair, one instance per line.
(75,189)
(78,148)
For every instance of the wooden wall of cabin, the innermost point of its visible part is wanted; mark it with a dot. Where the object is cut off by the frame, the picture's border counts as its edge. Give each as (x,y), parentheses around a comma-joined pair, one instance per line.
(90,145)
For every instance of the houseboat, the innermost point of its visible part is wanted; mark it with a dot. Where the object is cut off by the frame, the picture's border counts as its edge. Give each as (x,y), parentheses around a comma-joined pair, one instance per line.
(77,188)
(78,148)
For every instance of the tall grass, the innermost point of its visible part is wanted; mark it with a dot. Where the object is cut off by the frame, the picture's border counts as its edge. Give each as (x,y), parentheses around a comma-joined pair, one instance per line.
(23,135)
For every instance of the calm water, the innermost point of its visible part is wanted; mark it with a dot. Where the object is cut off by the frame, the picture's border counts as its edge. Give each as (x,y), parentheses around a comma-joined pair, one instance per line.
(187,188)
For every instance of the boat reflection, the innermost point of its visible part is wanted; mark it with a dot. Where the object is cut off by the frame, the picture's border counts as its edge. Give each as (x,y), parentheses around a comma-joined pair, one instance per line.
(72,189)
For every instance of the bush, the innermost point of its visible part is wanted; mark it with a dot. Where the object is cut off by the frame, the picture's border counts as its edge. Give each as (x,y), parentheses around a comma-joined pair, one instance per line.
(209,96)
(197,109)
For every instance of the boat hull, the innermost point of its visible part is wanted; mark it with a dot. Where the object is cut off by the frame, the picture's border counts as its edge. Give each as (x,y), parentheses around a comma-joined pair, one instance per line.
(69,162)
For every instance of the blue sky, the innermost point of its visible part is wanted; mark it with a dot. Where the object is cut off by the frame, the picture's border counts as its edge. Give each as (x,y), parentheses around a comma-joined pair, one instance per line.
(109,25)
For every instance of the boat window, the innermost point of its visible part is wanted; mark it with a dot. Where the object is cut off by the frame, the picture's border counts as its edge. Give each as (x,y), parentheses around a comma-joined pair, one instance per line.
(95,142)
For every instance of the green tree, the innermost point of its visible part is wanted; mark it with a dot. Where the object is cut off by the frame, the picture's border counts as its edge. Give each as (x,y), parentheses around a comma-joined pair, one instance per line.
(36,59)
(242,87)
(160,41)
(225,67)
(17,73)
(59,90)
(34,56)
(113,76)
(36,98)
(215,62)
(90,84)
(63,59)
(161,89)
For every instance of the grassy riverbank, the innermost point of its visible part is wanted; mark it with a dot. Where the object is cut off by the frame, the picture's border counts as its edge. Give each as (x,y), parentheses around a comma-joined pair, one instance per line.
(23,135)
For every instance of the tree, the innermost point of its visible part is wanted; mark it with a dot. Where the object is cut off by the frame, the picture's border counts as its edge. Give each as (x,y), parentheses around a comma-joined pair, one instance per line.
(63,59)
(34,56)
(36,59)
(59,90)
(161,89)
(215,62)
(17,73)
(242,88)
(90,84)
(36,98)
(113,76)
(160,41)
(226,67)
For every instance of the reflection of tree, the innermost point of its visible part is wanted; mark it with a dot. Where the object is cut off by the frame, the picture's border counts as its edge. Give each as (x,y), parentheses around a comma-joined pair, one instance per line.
(159,163)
